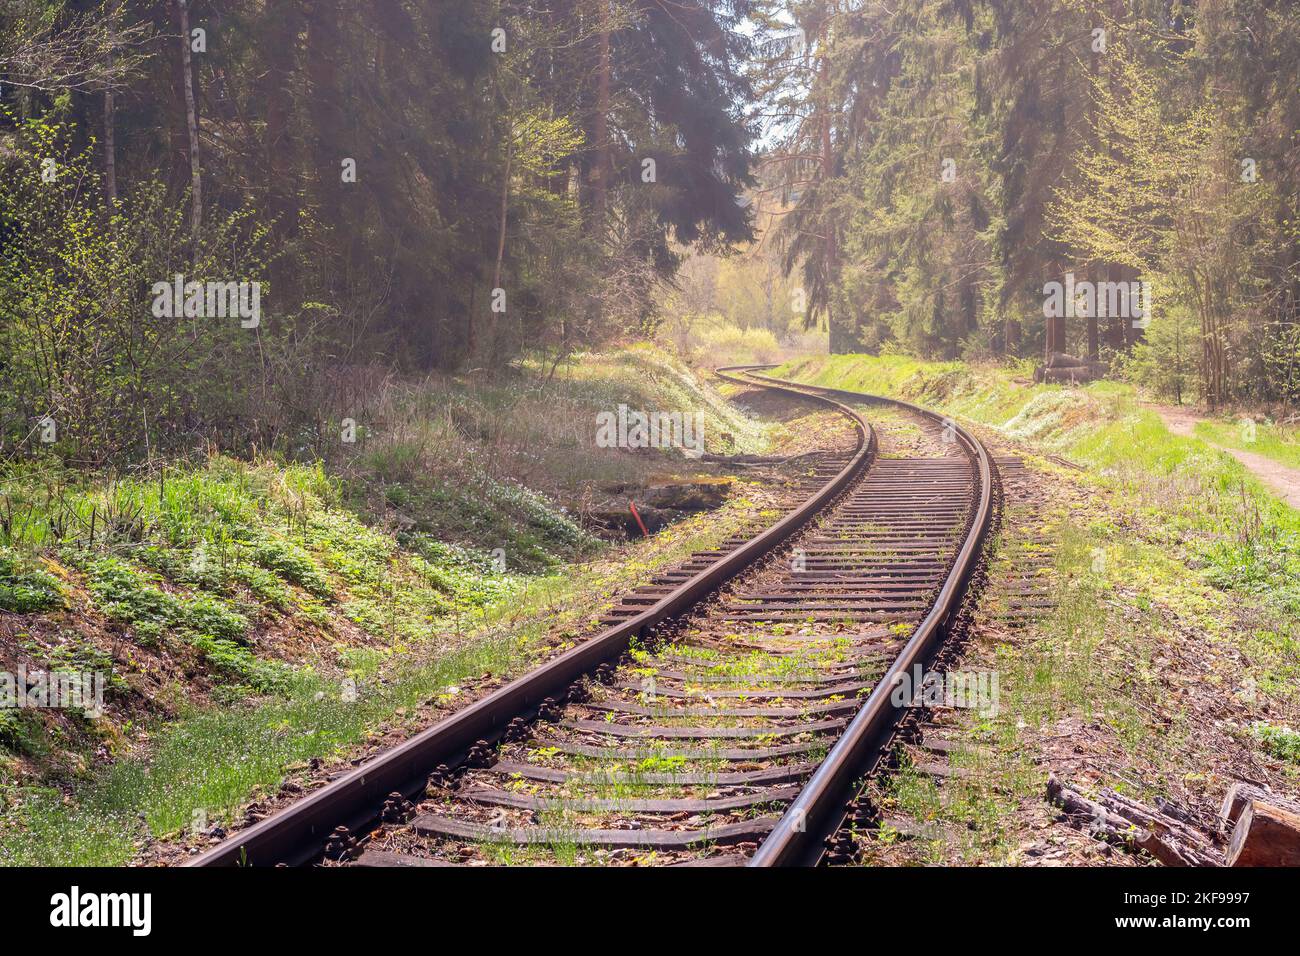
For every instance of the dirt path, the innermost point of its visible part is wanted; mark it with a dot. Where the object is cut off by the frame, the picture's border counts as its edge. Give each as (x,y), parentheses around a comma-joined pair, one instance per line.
(1284,481)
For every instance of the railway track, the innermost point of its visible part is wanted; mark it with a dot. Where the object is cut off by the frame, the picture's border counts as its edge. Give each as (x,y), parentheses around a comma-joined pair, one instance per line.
(726,711)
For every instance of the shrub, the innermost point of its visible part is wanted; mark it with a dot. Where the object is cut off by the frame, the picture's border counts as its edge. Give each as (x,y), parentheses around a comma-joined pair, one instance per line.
(77,331)
(209,616)
(1281,742)
(124,594)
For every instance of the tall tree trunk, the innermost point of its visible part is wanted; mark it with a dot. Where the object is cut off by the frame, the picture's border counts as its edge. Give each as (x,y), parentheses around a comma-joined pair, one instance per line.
(1209,335)
(282,59)
(1095,272)
(281,160)
(191,120)
(1055,331)
(110,120)
(831,252)
(600,127)
(597,222)
(326,115)
(110,150)
(970,306)
(503,223)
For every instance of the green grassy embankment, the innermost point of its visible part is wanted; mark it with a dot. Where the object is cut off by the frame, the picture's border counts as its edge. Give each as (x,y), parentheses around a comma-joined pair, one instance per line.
(251,616)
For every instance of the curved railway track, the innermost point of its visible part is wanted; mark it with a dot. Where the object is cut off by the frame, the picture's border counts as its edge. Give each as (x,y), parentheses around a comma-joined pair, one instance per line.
(724,714)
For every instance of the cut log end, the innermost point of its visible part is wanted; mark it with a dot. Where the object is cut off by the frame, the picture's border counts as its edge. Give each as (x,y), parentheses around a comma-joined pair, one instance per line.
(1265,835)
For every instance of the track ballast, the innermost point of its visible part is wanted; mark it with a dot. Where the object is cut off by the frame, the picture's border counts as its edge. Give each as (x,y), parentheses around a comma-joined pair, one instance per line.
(723,716)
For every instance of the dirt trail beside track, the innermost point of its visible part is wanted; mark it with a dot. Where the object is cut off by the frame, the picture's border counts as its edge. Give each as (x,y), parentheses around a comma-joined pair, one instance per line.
(1284,481)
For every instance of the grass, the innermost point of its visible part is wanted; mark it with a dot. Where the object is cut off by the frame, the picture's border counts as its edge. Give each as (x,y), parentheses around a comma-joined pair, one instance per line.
(1281,742)
(530,432)
(204,767)
(24,588)
(211,565)
(1281,443)
(1177,582)
(255,615)
(968,817)
(208,764)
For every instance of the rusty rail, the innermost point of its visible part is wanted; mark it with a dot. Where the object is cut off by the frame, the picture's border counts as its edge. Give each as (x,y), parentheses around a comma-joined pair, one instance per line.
(295,835)
(818,811)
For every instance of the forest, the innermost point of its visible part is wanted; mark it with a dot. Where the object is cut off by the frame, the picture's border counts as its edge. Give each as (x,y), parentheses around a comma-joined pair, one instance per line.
(413,185)
(453,185)
(955,157)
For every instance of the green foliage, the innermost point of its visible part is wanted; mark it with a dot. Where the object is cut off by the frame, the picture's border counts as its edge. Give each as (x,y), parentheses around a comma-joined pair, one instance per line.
(291,563)
(239,664)
(1164,364)
(490,185)
(754,345)
(26,590)
(211,760)
(1281,742)
(130,595)
(953,157)
(77,328)
(127,594)
(209,617)
(1176,208)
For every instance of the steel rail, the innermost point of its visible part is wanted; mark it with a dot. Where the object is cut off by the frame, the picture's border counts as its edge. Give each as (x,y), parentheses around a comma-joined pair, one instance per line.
(819,810)
(295,835)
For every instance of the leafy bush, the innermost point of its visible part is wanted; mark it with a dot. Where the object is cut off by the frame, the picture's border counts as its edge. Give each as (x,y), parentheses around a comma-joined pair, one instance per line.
(210,617)
(123,593)
(264,585)
(722,341)
(239,662)
(77,330)
(471,579)
(1165,364)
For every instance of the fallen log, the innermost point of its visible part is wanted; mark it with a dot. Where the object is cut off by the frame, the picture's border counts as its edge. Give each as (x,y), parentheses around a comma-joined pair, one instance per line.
(1070,374)
(1078,806)
(1265,835)
(1063,360)
(1067,374)
(1194,843)
(1124,822)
